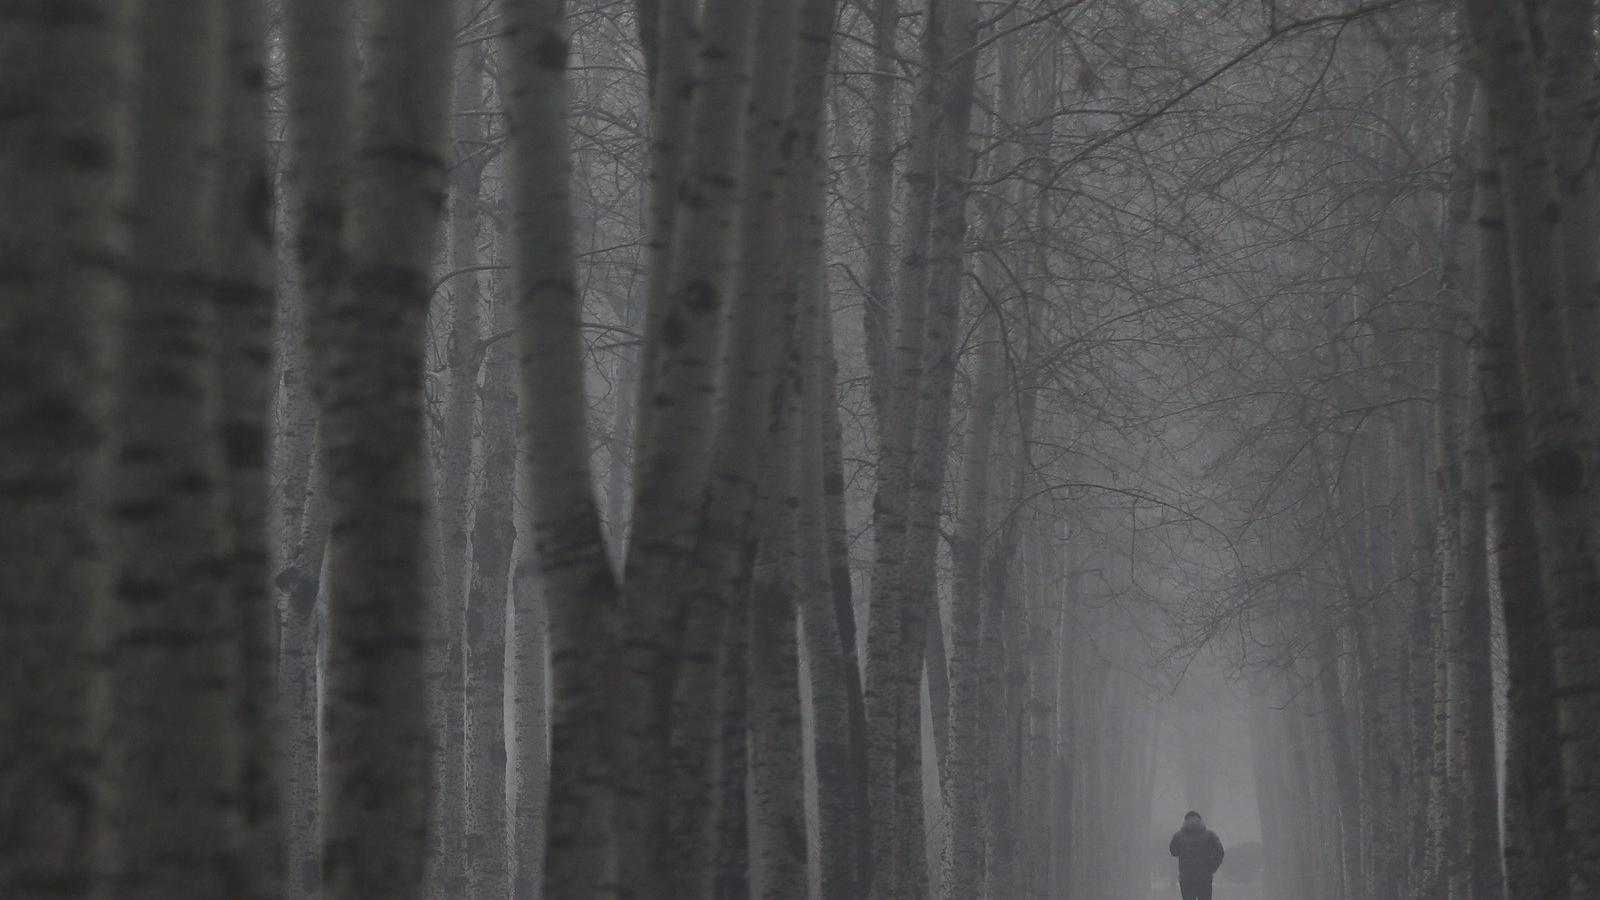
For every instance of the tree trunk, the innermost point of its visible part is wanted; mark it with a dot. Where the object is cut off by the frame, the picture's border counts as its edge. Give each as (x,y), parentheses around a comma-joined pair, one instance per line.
(1558,445)
(245,312)
(173,742)
(878,312)
(966,775)
(526,667)
(731,878)
(65,150)
(1571,100)
(493,534)
(827,614)
(892,682)
(368,344)
(1535,832)
(660,831)
(320,62)
(833,670)
(1344,764)
(567,540)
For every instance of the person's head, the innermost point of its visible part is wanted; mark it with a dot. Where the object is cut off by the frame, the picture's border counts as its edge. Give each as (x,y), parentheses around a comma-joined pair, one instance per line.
(1191,819)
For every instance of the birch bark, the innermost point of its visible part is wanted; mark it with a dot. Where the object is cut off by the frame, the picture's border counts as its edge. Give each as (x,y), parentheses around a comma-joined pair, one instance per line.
(318,52)
(755,372)
(1571,101)
(889,686)
(375,780)
(918,577)
(1344,765)
(566,535)
(245,319)
(968,748)
(484,632)
(878,315)
(830,666)
(65,153)
(1535,833)
(673,462)
(1557,427)
(173,745)
(458,302)
(834,674)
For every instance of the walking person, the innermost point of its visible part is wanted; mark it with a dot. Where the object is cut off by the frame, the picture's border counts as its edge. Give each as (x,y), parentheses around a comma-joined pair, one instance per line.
(1199,853)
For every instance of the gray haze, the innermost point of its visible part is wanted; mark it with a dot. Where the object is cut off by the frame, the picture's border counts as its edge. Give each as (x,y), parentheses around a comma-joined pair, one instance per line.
(787,449)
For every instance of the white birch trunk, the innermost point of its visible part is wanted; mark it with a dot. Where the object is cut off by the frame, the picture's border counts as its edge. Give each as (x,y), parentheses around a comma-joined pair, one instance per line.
(566,536)
(1535,834)
(1557,427)
(493,534)
(173,746)
(376,782)
(878,313)
(676,433)
(318,51)
(245,310)
(892,683)
(529,768)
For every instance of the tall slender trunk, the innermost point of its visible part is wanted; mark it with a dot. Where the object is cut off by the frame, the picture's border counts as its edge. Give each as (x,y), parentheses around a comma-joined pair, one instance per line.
(827,614)
(484,631)
(452,857)
(320,60)
(1344,764)
(878,312)
(732,875)
(1559,444)
(1535,832)
(368,344)
(577,579)
(777,783)
(173,742)
(245,317)
(835,677)
(529,767)
(1571,101)
(65,151)
(892,682)
(965,774)
(757,376)
(918,579)
(660,831)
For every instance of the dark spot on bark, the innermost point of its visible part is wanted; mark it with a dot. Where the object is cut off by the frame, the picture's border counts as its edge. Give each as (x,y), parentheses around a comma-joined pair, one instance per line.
(673,331)
(84,151)
(833,483)
(702,296)
(1556,470)
(551,53)
(258,205)
(243,444)
(403,153)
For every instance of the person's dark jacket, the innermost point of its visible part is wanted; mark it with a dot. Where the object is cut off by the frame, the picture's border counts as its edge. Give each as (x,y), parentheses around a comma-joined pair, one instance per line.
(1199,851)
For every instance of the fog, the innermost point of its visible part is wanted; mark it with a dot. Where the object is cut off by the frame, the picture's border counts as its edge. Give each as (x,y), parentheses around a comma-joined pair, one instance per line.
(872,450)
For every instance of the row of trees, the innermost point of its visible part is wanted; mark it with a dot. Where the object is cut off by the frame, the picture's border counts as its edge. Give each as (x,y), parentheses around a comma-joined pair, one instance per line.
(822,436)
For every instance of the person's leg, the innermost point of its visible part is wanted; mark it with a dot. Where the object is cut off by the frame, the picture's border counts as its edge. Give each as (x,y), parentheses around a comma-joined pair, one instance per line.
(1188,889)
(1203,890)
